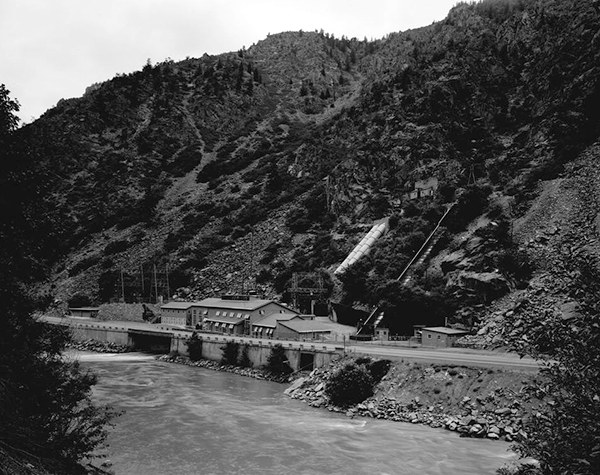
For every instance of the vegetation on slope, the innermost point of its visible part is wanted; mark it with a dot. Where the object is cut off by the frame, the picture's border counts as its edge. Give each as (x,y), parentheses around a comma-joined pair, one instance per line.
(47,419)
(184,165)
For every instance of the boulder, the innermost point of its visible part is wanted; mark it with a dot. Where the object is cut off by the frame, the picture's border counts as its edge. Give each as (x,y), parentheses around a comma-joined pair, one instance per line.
(294,386)
(456,260)
(492,284)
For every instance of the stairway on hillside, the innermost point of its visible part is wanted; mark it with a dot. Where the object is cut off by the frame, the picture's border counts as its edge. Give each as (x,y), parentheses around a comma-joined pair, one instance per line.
(420,261)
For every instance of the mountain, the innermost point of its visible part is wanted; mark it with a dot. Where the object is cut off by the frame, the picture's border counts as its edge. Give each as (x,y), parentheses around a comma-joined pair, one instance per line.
(237,171)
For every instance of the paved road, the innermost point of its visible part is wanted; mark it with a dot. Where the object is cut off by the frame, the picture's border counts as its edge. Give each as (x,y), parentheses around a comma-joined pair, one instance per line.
(451,356)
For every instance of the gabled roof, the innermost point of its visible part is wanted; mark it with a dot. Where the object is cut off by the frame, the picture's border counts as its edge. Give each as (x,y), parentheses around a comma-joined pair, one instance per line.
(272,319)
(305,326)
(248,305)
(176,305)
(445,330)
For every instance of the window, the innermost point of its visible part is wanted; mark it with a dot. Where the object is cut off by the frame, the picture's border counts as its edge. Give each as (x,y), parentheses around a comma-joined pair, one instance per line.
(428,335)
(239,315)
(439,336)
(231,314)
(218,312)
(261,312)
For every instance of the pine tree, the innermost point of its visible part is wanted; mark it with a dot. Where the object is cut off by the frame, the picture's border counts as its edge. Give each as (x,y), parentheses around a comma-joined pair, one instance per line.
(46,412)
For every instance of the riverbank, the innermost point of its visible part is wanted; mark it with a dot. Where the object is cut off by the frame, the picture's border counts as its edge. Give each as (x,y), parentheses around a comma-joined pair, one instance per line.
(476,403)
(216,366)
(472,402)
(99,346)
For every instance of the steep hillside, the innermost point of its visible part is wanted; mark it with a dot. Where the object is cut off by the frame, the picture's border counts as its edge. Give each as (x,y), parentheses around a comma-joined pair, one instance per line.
(238,170)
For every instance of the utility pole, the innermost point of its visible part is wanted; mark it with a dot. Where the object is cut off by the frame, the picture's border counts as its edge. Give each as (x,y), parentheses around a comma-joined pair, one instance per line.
(122,287)
(252,274)
(471,175)
(168,290)
(155,284)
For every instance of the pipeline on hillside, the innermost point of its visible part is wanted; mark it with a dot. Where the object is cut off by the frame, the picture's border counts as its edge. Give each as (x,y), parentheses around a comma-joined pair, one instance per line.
(377,314)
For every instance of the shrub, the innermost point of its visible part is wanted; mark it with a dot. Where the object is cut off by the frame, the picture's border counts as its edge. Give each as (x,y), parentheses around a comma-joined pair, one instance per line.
(349,385)
(80,300)
(378,369)
(230,353)
(277,362)
(244,360)
(194,346)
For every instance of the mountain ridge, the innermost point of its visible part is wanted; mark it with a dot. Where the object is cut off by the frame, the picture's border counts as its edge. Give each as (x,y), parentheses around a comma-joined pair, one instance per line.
(237,170)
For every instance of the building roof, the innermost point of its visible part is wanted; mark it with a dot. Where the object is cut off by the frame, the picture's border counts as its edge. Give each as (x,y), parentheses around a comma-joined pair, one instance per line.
(84,309)
(305,326)
(272,319)
(176,305)
(431,182)
(445,330)
(248,305)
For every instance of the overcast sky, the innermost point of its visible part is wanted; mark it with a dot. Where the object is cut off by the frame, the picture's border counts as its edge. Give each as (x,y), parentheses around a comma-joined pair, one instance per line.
(54,49)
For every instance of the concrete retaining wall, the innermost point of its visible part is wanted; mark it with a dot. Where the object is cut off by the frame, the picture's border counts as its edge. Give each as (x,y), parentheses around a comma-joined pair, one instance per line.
(258,350)
(119,336)
(313,355)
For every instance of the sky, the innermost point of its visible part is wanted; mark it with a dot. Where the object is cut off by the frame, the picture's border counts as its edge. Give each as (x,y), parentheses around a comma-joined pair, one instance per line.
(54,49)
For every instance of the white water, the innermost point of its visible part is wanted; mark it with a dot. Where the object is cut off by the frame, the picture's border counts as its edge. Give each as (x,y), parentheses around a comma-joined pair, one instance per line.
(183,420)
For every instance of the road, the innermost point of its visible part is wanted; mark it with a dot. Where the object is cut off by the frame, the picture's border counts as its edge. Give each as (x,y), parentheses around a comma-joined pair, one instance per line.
(448,356)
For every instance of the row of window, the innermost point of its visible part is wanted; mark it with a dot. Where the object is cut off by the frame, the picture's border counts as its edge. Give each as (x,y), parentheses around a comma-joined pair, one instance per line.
(223,313)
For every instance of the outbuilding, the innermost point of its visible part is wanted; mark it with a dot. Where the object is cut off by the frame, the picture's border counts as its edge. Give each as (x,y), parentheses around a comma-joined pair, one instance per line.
(440,337)
(300,329)
(175,313)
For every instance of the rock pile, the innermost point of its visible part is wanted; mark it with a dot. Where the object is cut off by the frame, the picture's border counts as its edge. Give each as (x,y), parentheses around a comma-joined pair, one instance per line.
(561,227)
(215,366)
(99,346)
(480,416)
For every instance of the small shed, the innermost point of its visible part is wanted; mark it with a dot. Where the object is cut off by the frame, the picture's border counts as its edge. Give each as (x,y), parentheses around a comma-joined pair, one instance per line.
(382,334)
(440,337)
(85,312)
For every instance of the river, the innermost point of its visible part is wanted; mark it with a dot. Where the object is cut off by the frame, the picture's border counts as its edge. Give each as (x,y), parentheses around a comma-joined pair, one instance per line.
(184,420)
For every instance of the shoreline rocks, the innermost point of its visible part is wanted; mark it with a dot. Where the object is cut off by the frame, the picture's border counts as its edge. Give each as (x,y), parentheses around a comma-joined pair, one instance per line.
(255,373)
(469,419)
(99,346)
